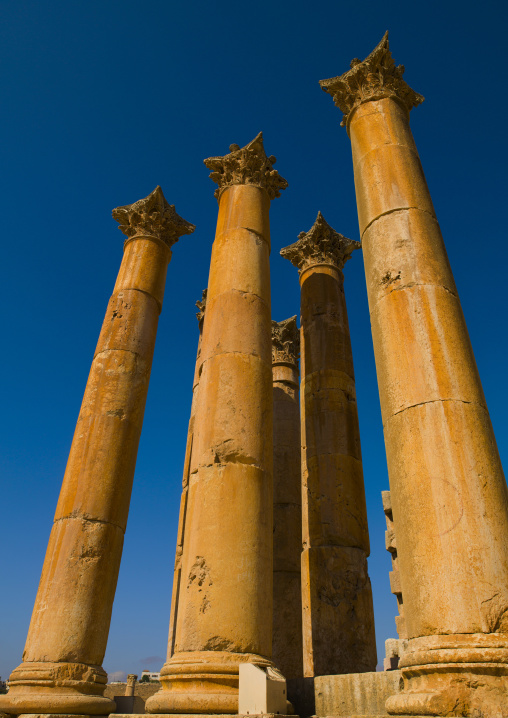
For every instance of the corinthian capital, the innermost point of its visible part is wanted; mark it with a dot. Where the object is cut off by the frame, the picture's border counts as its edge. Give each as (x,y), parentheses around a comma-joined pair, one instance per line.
(153,217)
(320,245)
(246,165)
(373,79)
(285,341)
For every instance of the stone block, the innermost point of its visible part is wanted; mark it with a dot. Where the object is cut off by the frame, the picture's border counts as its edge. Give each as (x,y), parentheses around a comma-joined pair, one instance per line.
(387,502)
(395,582)
(129,704)
(355,694)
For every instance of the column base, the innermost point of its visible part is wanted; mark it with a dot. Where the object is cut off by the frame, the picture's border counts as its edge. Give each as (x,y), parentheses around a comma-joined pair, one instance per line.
(57,688)
(454,675)
(201,682)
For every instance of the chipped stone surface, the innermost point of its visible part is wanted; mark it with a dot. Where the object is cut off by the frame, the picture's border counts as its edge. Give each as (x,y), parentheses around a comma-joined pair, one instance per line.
(70,622)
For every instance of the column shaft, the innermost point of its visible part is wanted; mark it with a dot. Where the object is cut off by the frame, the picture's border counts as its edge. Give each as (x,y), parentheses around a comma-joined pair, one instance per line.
(338,614)
(448,492)
(225,596)
(62,672)
(287,653)
(182,519)
(338,617)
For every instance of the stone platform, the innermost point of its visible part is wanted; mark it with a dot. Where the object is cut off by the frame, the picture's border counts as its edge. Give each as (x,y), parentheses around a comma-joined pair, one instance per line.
(199,715)
(355,694)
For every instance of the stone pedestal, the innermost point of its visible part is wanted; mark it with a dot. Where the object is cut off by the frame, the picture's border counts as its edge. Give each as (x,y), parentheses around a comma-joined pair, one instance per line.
(338,617)
(448,492)
(61,670)
(225,601)
(287,652)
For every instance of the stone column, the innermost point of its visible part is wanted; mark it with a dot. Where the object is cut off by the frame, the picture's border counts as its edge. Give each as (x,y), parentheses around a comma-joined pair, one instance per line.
(287,653)
(182,520)
(225,602)
(61,670)
(131,684)
(448,492)
(338,617)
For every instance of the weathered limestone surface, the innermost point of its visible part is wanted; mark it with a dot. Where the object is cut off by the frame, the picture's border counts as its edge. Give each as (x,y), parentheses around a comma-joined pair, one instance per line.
(225,602)
(182,521)
(355,694)
(61,670)
(448,492)
(338,617)
(287,651)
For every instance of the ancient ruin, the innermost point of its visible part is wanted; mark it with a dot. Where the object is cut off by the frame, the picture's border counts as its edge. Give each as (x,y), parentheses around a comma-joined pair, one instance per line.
(338,614)
(287,650)
(62,662)
(224,616)
(443,462)
(271,558)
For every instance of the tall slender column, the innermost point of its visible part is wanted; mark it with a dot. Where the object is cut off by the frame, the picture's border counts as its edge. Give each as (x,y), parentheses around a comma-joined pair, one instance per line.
(449,495)
(225,602)
(338,617)
(61,670)
(287,653)
(182,520)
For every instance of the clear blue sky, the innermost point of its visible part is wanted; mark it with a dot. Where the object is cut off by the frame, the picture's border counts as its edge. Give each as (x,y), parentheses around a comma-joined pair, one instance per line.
(103,100)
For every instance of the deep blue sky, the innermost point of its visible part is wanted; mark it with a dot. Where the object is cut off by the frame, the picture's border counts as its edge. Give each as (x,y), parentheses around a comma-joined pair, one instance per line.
(103,100)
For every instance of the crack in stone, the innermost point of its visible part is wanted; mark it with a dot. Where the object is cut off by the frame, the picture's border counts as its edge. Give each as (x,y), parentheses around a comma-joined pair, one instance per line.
(435,401)
(81,517)
(392,211)
(410,285)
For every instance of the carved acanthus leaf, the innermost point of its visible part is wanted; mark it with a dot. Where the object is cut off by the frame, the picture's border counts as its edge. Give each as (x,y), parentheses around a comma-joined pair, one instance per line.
(201,305)
(285,341)
(152,216)
(320,245)
(373,79)
(246,165)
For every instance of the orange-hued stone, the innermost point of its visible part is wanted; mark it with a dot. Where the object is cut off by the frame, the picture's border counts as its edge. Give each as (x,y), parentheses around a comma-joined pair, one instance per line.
(448,491)
(182,519)
(223,611)
(62,672)
(338,618)
(287,652)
